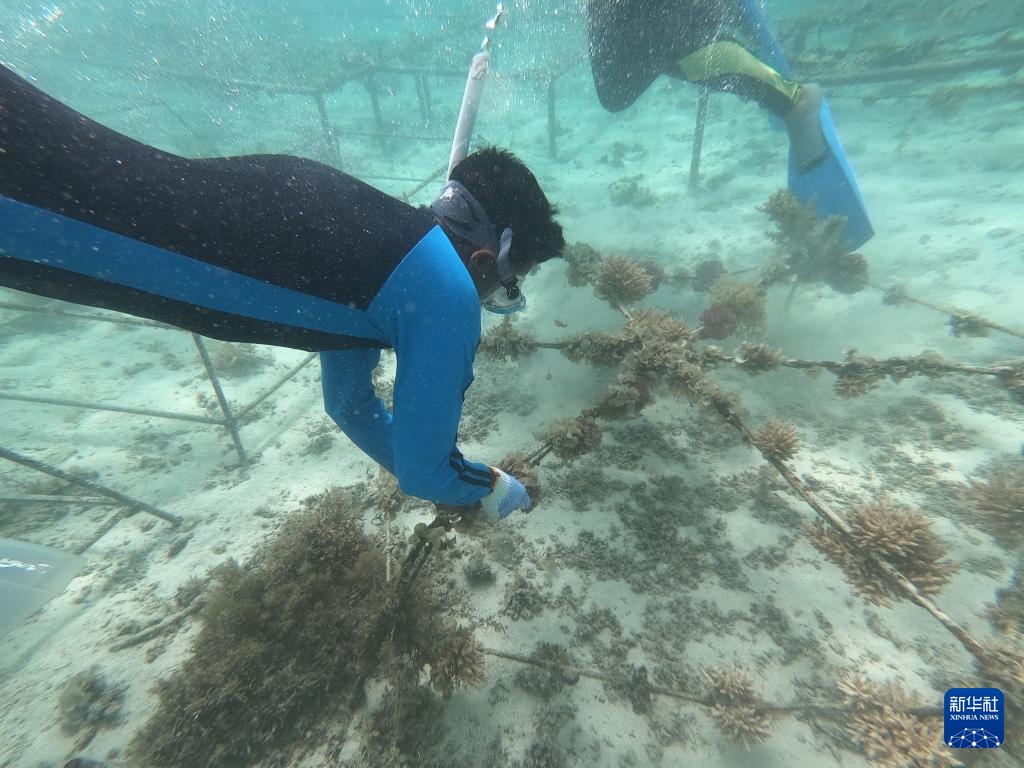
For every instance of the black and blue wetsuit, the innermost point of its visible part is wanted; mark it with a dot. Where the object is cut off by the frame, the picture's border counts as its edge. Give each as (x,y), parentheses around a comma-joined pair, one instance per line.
(265,249)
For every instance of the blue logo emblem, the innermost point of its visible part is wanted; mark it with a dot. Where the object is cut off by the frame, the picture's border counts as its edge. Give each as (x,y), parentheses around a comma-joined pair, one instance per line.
(974,718)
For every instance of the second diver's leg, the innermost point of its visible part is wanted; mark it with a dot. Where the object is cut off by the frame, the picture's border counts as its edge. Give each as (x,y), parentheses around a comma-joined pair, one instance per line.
(728,66)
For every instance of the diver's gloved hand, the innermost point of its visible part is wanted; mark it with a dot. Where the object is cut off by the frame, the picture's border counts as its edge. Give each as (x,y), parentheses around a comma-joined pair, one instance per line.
(507,495)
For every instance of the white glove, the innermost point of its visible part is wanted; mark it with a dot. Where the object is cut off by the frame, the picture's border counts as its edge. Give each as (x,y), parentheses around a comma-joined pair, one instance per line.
(508,496)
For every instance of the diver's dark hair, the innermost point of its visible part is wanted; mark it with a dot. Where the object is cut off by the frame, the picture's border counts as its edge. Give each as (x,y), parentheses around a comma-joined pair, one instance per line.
(510,194)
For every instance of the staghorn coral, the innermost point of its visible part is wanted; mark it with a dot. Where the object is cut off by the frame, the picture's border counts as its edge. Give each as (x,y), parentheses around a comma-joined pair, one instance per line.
(686,380)
(517,465)
(552,670)
(583,263)
(87,703)
(282,636)
(964,324)
(777,440)
(1007,615)
(651,325)
(717,323)
(387,496)
(1012,380)
(597,348)
(999,502)
(622,281)
(630,393)
(896,294)
(679,277)
(654,358)
(899,536)
(506,342)
(458,661)
(706,274)
(629,192)
(813,248)
(477,572)
(757,358)
(572,438)
(738,709)
(1002,666)
(882,724)
(523,600)
(656,271)
(856,381)
(847,273)
(743,299)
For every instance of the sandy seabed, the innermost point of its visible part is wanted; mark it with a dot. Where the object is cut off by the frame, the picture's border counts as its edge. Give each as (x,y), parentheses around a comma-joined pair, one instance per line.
(945,192)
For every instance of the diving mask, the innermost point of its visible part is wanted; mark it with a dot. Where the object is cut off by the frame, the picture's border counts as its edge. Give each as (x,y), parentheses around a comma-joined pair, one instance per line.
(460,212)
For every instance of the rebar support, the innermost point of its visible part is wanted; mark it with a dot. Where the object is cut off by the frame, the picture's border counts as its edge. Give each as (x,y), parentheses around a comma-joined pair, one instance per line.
(378,118)
(229,418)
(552,119)
(698,137)
(60,474)
(331,148)
(112,408)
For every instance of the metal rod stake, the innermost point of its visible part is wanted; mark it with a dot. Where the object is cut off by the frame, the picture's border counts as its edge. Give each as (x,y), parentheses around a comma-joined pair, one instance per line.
(60,474)
(698,138)
(225,407)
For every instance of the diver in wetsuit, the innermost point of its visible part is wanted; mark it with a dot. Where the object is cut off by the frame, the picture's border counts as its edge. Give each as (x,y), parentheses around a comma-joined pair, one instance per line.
(281,250)
(713,43)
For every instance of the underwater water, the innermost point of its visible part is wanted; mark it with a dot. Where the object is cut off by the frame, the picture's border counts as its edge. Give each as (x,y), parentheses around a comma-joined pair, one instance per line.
(773,536)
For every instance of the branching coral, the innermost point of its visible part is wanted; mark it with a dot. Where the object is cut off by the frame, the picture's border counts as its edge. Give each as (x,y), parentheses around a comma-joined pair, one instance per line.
(387,496)
(87,703)
(597,348)
(882,724)
(656,271)
(899,536)
(813,248)
(706,273)
(857,381)
(523,600)
(506,342)
(622,281)
(583,264)
(654,358)
(964,324)
(743,299)
(777,440)
(630,393)
(999,501)
(458,661)
(572,438)
(281,637)
(847,273)
(516,464)
(553,669)
(896,294)
(717,323)
(650,325)
(757,358)
(738,709)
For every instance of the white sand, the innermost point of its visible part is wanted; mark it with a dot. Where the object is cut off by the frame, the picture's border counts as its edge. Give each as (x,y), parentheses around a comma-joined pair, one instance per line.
(945,193)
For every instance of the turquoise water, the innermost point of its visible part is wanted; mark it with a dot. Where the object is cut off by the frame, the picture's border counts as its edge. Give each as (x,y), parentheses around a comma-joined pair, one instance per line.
(610,622)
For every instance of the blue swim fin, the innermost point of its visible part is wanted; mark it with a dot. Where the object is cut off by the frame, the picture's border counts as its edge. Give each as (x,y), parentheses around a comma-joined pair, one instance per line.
(831,184)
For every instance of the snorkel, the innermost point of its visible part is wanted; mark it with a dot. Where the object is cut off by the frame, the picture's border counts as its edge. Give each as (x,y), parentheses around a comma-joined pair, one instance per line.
(457,209)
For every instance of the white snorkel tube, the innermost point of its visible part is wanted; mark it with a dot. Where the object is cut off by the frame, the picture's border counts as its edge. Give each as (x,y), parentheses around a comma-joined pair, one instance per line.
(457,208)
(472,95)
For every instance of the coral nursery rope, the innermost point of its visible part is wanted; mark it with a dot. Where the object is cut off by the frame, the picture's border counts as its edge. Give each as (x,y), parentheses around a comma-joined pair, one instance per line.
(828,710)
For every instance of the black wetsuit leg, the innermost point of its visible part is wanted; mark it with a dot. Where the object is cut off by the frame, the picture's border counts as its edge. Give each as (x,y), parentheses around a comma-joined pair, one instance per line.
(249,232)
(631,42)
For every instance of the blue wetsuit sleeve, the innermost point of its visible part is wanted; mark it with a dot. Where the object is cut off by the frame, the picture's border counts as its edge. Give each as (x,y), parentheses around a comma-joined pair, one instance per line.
(349,399)
(432,312)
